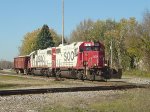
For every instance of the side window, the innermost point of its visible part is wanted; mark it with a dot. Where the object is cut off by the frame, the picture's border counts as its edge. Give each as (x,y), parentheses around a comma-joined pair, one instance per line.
(49,52)
(95,48)
(101,49)
(76,51)
(35,53)
(58,51)
(81,49)
(33,56)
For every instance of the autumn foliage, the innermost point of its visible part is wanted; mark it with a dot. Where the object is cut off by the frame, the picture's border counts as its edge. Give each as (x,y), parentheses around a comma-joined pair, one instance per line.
(130,38)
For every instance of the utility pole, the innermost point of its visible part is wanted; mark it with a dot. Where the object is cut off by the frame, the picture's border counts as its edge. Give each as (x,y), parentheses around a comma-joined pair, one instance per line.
(62,22)
(111,49)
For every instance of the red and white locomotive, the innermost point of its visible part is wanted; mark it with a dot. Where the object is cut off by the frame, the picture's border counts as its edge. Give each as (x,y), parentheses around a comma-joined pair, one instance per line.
(81,60)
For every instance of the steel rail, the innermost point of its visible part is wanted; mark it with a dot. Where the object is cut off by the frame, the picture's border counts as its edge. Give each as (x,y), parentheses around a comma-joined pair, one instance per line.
(70,89)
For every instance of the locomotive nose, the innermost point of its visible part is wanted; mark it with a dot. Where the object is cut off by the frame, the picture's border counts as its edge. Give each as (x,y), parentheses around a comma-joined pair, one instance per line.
(94,59)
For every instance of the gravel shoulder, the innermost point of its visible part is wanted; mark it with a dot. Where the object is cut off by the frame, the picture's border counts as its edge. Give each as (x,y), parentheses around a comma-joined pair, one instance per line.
(135,80)
(97,101)
(36,103)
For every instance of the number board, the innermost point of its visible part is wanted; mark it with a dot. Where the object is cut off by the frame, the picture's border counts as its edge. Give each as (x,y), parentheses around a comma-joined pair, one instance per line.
(40,58)
(69,56)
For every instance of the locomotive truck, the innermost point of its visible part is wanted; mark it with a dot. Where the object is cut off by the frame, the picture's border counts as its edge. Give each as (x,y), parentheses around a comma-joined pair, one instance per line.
(79,60)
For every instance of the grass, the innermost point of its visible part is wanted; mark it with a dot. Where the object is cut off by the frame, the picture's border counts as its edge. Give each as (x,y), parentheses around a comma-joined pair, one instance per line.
(16,82)
(61,109)
(137,100)
(13,82)
(137,73)
(3,86)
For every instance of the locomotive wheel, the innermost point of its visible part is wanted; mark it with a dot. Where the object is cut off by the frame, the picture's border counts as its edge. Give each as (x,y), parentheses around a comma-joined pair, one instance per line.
(106,73)
(32,72)
(92,77)
(16,71)
(45,73)
(80,76)
(49,73)
(58,74)
(19,71)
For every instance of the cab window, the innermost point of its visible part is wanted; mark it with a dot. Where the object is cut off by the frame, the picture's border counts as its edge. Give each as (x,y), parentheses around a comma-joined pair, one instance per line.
(92,48)
(88,48)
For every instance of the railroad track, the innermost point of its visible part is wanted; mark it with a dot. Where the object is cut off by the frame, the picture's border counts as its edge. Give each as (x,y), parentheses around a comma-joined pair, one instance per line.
(70,89)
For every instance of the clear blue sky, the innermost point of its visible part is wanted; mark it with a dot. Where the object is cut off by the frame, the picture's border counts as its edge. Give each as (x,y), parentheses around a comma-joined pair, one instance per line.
(17,17)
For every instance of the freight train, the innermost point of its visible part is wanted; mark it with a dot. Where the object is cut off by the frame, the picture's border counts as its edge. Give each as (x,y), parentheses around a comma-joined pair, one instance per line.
(79,60)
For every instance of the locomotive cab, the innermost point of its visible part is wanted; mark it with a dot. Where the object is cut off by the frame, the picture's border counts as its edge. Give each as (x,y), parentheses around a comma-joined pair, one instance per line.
(91,56)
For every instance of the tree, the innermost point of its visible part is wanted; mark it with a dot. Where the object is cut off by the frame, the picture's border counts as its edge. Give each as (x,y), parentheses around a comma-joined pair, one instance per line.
(44,38)
(6,64)
(132,42)
(145,40)
(82,31)
(56,37)
(29,43)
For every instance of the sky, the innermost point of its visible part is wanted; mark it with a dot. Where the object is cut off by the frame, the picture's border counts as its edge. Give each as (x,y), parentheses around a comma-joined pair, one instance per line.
(18,17)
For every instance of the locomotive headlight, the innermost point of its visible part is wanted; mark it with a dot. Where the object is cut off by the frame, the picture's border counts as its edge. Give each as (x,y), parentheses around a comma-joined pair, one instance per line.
(85,63)
(105,64)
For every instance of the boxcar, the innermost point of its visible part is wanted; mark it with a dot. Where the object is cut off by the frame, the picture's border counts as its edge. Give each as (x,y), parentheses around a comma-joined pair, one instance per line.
(21,64)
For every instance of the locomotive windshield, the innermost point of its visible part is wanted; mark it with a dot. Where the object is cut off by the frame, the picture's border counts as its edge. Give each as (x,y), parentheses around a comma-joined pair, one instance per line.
(90,48)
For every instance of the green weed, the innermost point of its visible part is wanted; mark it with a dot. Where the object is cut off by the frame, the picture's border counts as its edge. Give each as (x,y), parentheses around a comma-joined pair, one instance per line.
(137,73)
(130,102)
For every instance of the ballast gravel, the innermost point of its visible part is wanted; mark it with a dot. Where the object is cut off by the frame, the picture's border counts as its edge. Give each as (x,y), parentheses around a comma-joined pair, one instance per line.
(34,103)
(135,80)
(139,81)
